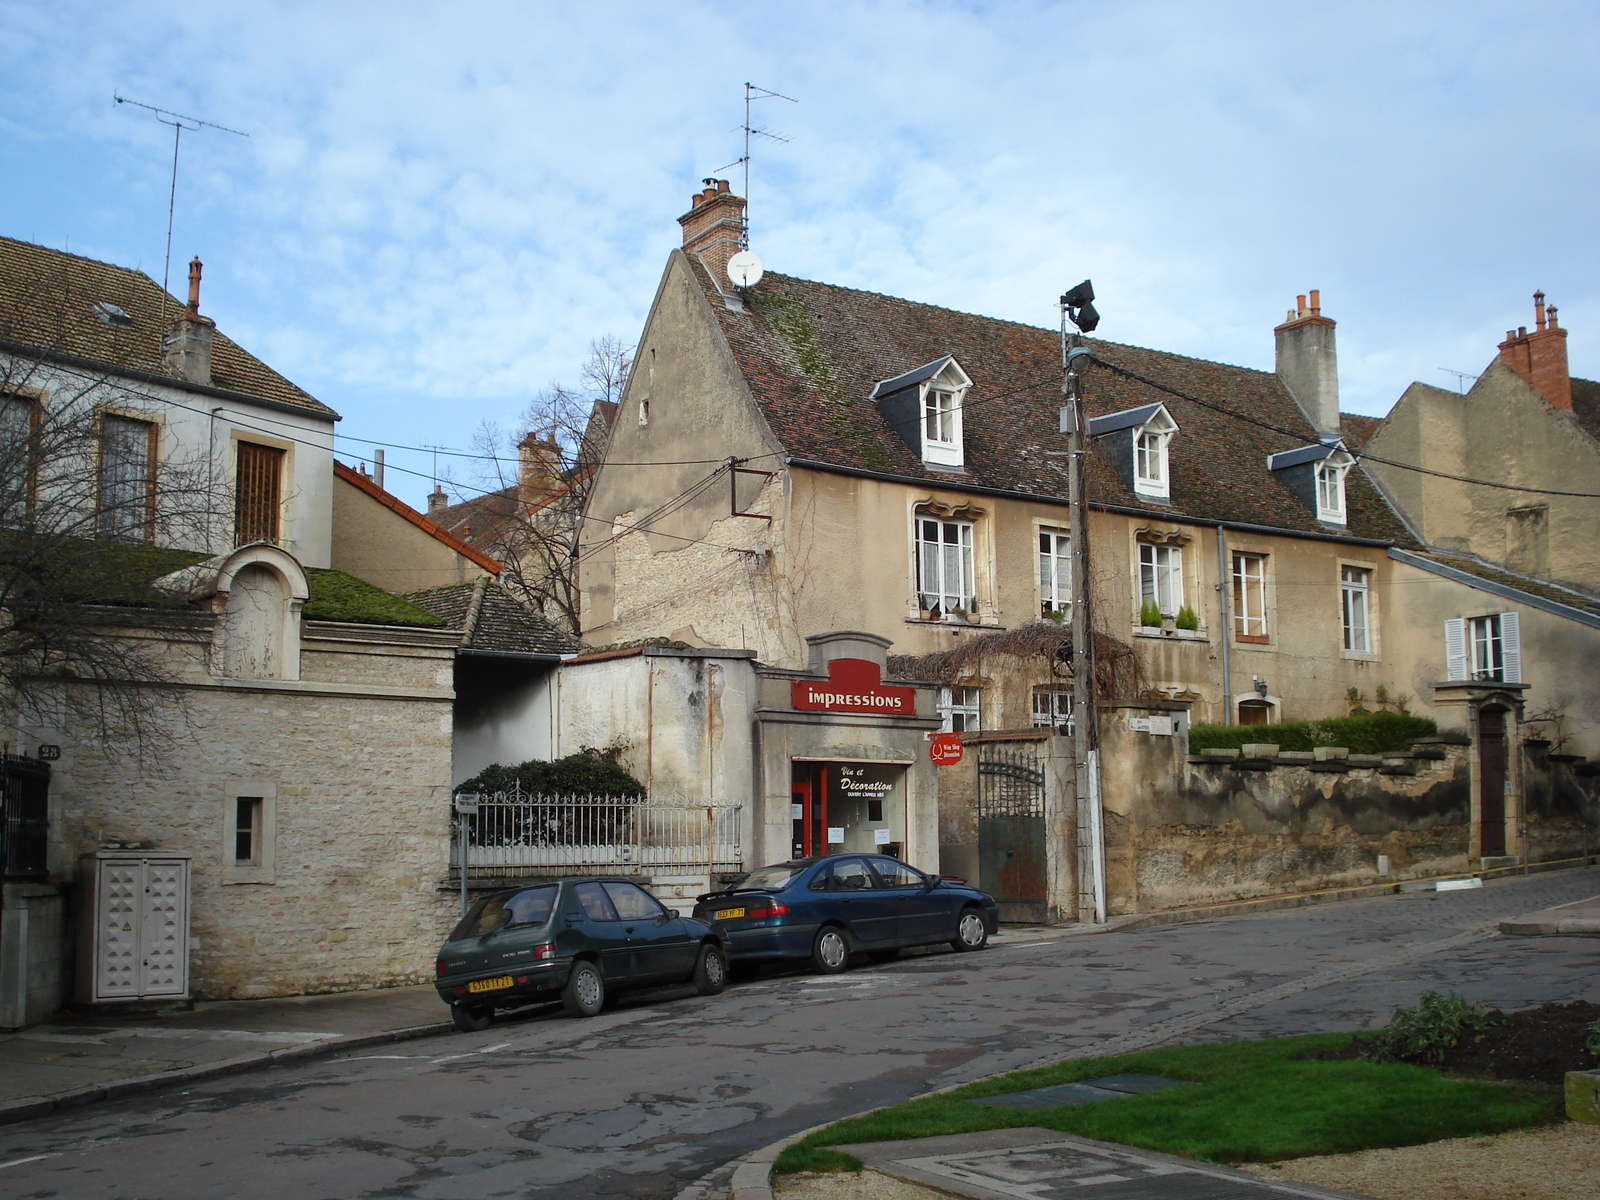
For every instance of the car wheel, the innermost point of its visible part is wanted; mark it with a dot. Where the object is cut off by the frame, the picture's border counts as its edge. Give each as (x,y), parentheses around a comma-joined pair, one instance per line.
(830,953)
(972,931)
(585,993)
(471,1019)
(710,971)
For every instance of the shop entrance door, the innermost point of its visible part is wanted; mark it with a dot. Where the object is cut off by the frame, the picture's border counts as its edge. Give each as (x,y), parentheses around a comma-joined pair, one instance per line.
(809,813)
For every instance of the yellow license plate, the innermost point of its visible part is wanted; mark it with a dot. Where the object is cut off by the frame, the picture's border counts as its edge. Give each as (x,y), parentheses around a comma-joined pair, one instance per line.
(489,985)
(728,914)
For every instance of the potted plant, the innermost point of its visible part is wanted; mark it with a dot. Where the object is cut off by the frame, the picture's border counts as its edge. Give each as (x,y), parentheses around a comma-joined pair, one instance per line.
(928,606)
(1149,615)
(958,613)
(972,609)
(1187,622)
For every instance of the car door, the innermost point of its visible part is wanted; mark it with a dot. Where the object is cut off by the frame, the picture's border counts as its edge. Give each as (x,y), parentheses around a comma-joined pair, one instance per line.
(660,942)
(591,911)
(922,914)
(856,899)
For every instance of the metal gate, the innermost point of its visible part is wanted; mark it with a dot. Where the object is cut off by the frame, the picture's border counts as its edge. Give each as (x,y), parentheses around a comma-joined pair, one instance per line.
(1011,854)
(24,817)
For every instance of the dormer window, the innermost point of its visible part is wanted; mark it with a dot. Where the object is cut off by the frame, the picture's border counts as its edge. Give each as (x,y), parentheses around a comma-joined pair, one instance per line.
(1316,475)
(1136,442)
(924,407)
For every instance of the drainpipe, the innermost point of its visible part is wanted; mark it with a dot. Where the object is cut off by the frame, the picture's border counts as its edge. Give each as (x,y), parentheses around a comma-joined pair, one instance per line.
(1222,634)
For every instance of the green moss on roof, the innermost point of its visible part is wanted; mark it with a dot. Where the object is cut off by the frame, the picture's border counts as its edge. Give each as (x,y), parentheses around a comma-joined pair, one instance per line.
(340,596)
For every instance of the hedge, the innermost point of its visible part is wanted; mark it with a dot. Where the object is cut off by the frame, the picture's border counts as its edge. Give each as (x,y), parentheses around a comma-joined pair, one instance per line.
(1374,733)
(574,775)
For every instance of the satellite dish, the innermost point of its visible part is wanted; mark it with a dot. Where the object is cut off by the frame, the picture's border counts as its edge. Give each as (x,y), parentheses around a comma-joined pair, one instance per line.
(745,269)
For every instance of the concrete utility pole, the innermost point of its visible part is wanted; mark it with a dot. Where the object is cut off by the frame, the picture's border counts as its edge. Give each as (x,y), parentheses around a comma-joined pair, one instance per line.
(1075,359)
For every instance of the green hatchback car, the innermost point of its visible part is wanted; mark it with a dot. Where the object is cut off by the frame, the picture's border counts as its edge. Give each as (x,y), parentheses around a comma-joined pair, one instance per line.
(583,940)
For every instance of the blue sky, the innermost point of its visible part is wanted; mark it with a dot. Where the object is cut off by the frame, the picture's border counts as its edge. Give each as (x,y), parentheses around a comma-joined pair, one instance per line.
(440,205)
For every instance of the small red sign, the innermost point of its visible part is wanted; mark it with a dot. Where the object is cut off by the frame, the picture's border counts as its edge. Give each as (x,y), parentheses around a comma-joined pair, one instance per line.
(945,749)
(855,685)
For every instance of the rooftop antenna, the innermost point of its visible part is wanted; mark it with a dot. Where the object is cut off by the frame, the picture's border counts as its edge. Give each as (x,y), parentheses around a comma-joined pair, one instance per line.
(1461,379)
(752,93)
(179,123)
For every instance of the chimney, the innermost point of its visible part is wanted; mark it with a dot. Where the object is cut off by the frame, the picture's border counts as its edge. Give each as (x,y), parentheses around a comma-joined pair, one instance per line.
(437,500)
(538,468)
(713,229)
(1540,357)
(1308,365)
(186,349)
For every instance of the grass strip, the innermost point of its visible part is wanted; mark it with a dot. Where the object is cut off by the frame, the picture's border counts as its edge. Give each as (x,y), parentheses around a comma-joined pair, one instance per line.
(1258,1101)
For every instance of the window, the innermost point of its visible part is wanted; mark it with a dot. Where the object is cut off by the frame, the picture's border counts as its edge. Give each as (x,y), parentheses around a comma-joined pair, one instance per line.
(1487,648)
(1055,572)
(850,875)
(924,408)
(944,565)
(1052,708)
(18,434)
(633,904)
(939,416)
(1249,598)
(897,876)
(644,413)
(247,831)
(1255,712)
(1357,613)
(1330,487)
(257,494)
(591,898)
(960,709)
(1150,461)
(1161,577)
(127,478)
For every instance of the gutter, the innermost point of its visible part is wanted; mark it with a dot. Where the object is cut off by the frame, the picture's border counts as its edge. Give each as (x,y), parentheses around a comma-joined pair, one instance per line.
(1504,591)
(975,489)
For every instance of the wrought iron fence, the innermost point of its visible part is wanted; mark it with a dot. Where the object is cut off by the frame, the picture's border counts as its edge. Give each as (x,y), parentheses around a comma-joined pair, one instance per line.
(25,807)
(514,835)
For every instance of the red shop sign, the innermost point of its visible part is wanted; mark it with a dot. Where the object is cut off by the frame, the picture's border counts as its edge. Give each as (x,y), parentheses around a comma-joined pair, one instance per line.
(855,685)
(945,749)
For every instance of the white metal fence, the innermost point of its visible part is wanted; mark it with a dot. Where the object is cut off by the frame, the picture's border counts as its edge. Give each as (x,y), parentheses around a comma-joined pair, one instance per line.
(514,835)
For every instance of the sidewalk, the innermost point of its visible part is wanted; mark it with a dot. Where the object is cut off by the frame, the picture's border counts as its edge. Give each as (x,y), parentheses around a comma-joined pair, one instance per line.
(1579,917)
(74,1060)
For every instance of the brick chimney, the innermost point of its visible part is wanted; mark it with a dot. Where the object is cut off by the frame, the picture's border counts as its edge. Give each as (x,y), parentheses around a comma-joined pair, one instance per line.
(1540,357)
(713,228)
(186,348)
(1307,363)
(538,468)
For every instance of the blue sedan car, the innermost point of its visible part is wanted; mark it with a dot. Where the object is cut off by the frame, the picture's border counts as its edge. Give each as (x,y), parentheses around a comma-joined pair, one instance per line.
(826,909)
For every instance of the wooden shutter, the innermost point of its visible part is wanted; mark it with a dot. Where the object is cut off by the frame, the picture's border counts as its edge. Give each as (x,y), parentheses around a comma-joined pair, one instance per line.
(1455,648)
(257,494)
(1511,647)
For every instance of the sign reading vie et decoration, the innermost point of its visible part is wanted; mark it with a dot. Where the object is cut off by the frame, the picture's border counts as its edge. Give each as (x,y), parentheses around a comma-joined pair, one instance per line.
(855,685)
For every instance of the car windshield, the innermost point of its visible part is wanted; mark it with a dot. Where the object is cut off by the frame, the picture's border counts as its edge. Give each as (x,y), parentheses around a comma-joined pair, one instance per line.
(507,910)
(774,878)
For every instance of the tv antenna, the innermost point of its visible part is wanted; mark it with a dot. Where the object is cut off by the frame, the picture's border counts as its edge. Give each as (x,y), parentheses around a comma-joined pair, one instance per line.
(179,123)
(1461,379)
(751,94)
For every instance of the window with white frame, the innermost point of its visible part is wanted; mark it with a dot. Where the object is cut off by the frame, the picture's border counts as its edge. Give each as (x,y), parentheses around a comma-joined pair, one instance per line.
(1052,708)
(1487,648)
(1250,597)
(1055,572)
(960,709)
(1330,487)
(1151,477)
(1161,577)
(941,404)
(939,414)
(945,577)
(1356,608)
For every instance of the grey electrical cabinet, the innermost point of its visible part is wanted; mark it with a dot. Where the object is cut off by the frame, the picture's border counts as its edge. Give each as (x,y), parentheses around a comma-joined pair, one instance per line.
(133,925)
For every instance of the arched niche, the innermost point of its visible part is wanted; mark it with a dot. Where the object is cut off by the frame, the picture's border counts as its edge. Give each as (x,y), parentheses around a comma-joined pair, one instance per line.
(260,591)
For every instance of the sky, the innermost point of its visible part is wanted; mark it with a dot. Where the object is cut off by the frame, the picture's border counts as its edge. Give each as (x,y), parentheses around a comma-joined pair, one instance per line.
(440,205)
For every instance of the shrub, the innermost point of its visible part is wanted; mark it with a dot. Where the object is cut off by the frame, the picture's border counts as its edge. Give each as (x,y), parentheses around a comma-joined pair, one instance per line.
(1187,618)
(576,774)
(1373,733)
(1423,1034)
(1149,613)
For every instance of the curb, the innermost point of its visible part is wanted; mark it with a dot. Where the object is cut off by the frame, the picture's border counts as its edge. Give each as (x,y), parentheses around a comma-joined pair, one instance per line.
(25,1108)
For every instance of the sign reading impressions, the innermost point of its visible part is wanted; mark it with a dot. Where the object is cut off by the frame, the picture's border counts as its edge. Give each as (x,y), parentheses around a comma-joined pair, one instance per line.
(855,685)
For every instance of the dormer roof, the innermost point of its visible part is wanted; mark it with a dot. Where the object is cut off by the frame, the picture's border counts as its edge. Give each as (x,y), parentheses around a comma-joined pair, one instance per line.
(1305,454)
(1127,419)
(911,378)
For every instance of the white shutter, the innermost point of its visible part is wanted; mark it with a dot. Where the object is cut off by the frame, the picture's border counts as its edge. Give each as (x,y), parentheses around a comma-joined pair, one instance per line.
(1511,647)
(1455,648)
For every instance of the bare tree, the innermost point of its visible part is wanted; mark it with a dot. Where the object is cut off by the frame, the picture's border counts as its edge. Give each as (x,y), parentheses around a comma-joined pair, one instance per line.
(87,511)
(538,479)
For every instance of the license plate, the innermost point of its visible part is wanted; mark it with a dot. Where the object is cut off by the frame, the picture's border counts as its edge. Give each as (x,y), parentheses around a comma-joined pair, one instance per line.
(490,985)
(728,914)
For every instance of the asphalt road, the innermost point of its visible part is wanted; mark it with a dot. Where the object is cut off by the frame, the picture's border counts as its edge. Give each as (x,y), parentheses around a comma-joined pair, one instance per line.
(643,1100)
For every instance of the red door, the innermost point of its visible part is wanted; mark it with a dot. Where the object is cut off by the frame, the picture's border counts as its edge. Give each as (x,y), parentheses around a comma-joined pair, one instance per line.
(1492,781)
(810,810)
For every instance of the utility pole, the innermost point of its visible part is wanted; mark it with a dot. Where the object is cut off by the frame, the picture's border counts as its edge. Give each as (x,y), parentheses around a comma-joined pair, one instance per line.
(1076,358)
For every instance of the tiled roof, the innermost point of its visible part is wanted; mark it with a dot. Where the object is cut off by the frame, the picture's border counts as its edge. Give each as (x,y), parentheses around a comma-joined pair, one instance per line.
(1357,429)
(493,621)
(1586,406)
(812,353)
(1534,587)
(47,300)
